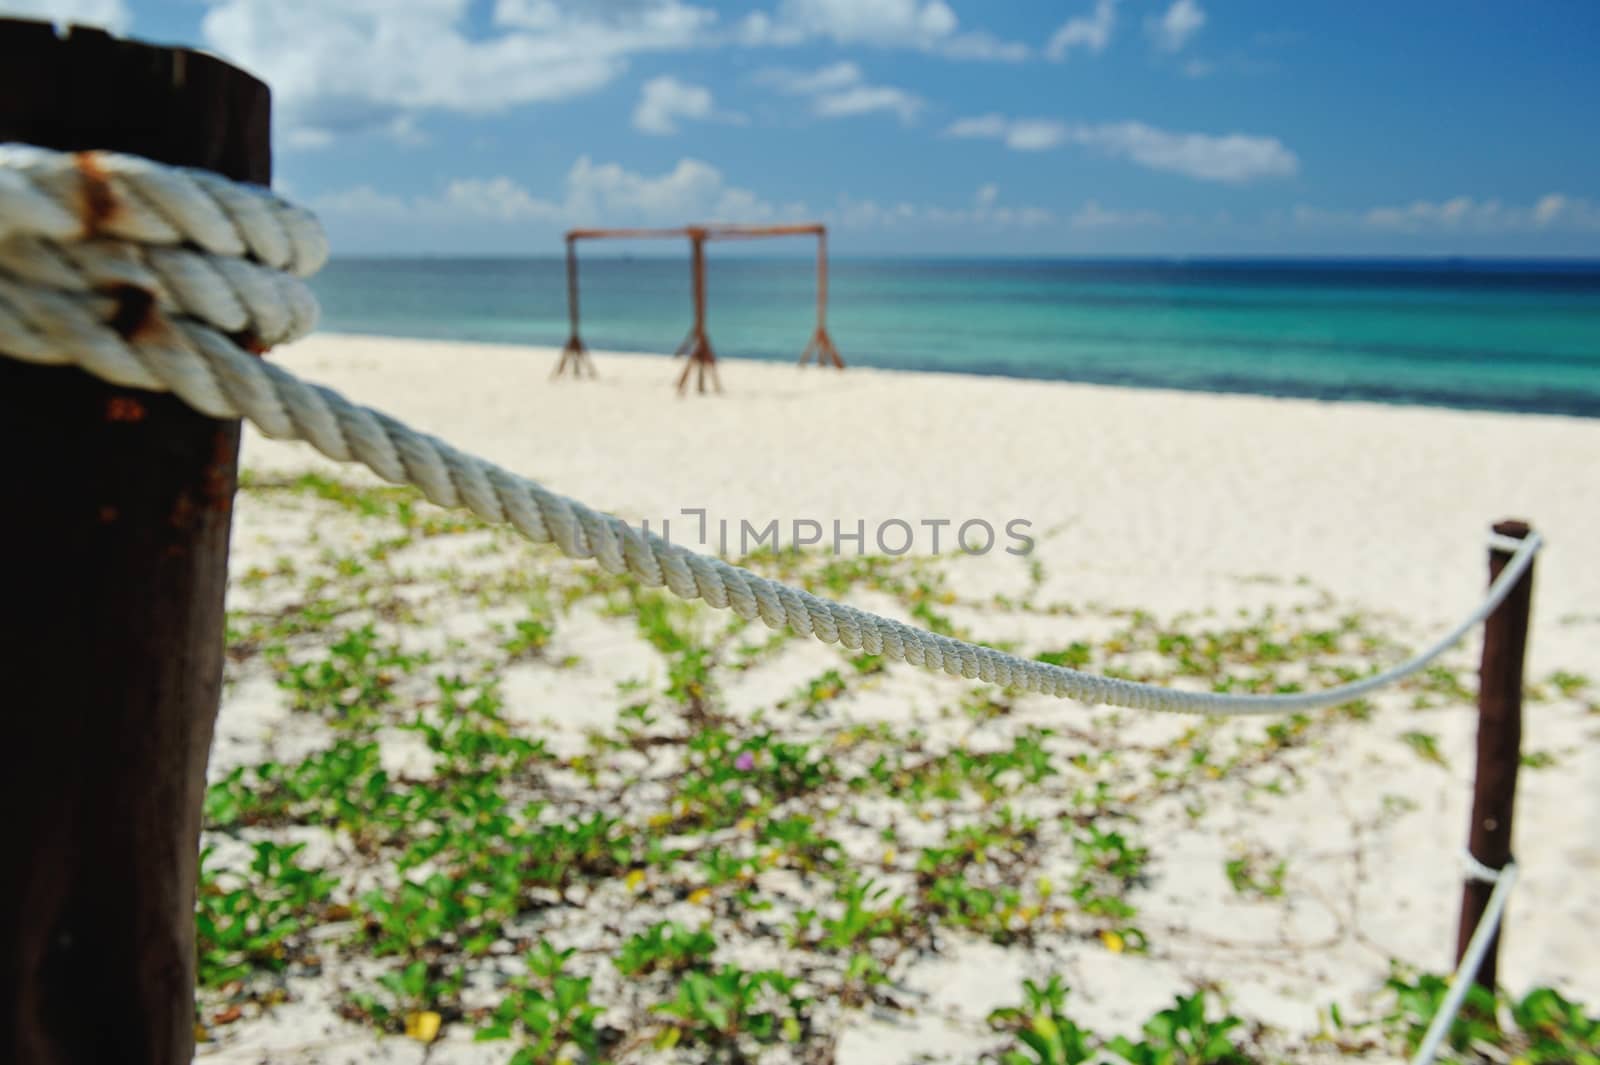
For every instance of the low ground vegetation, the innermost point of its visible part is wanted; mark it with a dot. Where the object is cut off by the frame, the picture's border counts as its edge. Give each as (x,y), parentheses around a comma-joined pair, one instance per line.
(723,866)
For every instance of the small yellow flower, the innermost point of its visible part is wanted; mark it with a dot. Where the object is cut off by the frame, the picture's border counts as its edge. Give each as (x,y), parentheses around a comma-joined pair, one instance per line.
(1113,942)
(699,895)
(889,855)
(423,1026)
(635,880)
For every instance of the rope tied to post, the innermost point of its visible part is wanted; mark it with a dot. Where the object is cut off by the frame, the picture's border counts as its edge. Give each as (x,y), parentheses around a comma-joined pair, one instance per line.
(170,279)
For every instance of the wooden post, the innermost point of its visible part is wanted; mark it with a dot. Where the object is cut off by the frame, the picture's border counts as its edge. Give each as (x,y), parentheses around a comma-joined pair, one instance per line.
(701,357)
(1505,643)
(115,536)
(575,351)
(822,278)
(821,344)
(697,344)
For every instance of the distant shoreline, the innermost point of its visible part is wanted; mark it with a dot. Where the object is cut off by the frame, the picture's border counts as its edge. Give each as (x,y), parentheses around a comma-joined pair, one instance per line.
(1470,335)
(1586,411)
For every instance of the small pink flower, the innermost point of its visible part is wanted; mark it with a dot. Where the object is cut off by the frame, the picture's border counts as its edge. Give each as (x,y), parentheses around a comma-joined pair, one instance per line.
(745,762)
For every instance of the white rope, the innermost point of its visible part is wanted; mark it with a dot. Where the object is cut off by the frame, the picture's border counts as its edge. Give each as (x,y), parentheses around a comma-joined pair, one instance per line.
(1476,870)
(212,258)
(1467,971)
(1507,544)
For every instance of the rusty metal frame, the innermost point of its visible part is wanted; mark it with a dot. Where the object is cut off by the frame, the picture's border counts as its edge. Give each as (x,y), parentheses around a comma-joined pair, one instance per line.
(697,344)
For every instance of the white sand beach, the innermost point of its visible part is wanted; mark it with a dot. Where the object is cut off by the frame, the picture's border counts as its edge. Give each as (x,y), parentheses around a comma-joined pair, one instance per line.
(1161,499)
(1169,503)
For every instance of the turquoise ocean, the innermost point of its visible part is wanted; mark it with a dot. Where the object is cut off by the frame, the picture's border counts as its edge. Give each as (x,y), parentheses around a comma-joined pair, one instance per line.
(1516,336)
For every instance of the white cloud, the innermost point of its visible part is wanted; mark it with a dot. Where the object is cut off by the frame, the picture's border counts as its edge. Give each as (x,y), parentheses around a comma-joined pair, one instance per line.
(483,211)
(865,99)
(983,46)
(362,201)
(990,125)
(1091,32)
(1018,134)
(986,213)
(1035,134)
(1553,212)
(840,90)
(498,199)
(870,21)
(927,25)
(841,75)
(692,191)
(110,15)
(594,193)
(345,66)
(665,100)
(1093,216)
(1172,30)
(1550,207)
(1571,212)
(1233,157)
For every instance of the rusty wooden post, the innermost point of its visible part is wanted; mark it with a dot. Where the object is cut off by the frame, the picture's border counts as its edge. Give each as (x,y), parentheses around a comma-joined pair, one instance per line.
(697,344)
(117,513)
(701,357)
(821,344)
(575,351)
(1494,792)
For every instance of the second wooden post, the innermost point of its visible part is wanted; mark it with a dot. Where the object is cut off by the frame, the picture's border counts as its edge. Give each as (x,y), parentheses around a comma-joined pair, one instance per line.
(1494,792)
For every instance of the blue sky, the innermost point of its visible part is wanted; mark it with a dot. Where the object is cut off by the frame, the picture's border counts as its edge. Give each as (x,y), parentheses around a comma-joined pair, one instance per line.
(1077,127)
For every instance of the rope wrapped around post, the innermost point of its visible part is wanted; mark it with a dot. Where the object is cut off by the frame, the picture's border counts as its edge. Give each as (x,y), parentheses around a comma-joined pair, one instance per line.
(161,278)
(1461,980)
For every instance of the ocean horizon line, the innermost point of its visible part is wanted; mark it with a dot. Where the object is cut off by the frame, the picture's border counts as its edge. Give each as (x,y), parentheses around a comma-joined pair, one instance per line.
(595,252)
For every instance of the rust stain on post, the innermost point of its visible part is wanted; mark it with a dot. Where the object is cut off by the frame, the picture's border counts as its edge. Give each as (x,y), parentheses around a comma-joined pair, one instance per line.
(124,409)
(136,316)
(183,513)
(250,342)
(99,205)
(218,480)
